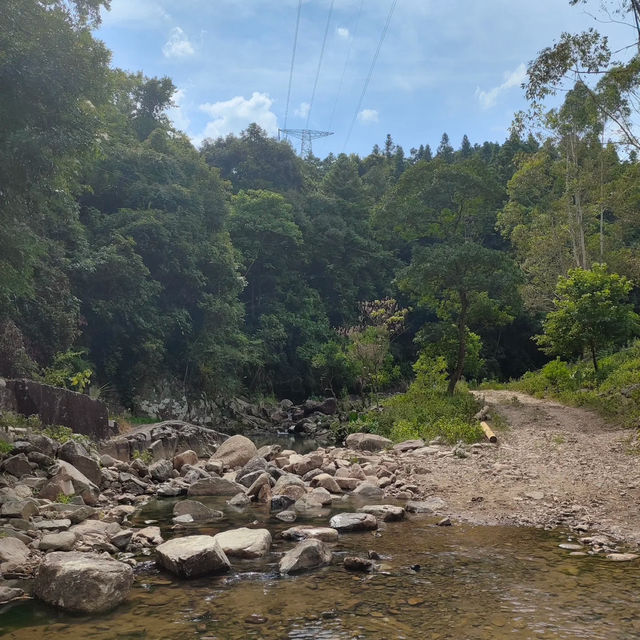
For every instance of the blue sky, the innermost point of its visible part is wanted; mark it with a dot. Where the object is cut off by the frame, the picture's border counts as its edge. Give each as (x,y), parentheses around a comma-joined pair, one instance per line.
(445,65)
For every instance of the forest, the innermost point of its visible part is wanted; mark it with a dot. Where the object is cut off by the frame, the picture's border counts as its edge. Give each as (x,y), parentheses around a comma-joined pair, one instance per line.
(129,258)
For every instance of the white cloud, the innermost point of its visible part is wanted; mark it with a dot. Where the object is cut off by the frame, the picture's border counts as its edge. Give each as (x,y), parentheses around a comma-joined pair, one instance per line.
(178,45)
(177,113)
(303,110)
(139,13)
(343,32)
(231,116)
(512,79)
(368,115)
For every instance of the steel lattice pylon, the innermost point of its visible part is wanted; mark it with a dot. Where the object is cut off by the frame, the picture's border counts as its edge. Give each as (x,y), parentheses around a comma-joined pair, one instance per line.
(305,136)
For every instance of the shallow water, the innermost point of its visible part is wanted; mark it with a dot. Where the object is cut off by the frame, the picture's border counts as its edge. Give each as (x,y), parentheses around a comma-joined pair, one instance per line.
(473,583)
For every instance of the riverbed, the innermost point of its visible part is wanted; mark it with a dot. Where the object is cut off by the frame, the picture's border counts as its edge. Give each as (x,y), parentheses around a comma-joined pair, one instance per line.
(457,582)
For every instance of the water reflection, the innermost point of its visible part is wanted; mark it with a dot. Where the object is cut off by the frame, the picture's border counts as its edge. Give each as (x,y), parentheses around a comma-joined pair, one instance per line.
(475,583)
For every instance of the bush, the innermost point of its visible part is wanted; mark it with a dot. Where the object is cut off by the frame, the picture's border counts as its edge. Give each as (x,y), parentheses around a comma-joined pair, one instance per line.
(425,410)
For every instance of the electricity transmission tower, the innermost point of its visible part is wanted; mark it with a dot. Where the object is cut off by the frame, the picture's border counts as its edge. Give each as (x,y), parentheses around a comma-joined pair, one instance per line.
(305,136)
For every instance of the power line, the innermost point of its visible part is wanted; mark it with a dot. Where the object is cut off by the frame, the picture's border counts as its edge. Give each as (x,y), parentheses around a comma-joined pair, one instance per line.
(293,59)
(315,84)
(346,64)
(373,64)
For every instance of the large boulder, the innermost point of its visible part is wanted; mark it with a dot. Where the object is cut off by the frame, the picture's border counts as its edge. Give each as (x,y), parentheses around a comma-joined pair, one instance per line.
(235,452)
(367,442)
(215,487)
(17,465)
(307,554)
(353,522)
(244,542)
(192,556)
(81,484)
(82,582)
(13,552)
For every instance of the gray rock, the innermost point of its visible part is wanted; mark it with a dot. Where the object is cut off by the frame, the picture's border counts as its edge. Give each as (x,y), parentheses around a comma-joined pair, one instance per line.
(9,593)
(63,541)
(19,509)
(244,542)
(52,525)
(408,445)
(369,491)
(304,532)
(13,551)
(235,452)
(251,471)
(215,487)
(81,484)
(17,465)
(367,442)
(198,511)
(186,457)
(287,480)
(82,582)
(385,512)
(287,516)
(354,522)
(122,538)
(192,556)
(161,470)
(280,502)
(239,500)
(307,554)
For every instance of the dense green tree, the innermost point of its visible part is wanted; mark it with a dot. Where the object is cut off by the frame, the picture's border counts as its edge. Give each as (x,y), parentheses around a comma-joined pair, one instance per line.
(592,311)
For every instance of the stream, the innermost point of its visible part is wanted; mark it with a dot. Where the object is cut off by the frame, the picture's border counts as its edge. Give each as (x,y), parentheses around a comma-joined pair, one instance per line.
(475,583)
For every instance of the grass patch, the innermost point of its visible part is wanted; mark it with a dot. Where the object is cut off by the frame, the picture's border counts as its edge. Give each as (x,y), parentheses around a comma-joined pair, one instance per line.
(425,410)
(5,447)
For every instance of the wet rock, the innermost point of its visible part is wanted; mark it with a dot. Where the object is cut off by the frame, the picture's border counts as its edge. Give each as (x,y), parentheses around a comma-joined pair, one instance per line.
(429,505)
(309,502)
(235,452)
(215,487)
(122,539)
(369,491)
(186,457)
(287,480)
(9,593)
(198,511)
(385,512)
(445,522)
(353,563)
(304,532)
(192,556)
(63,541)
(353,522)
(244,542)
(570,547)
(307,554)
(367,442)
(622,557)
(82,582)
(239,500)
(287,516)
(280,502)
(263,480)
(148,536)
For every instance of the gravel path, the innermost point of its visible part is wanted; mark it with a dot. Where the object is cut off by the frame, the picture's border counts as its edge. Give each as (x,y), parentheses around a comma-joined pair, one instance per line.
(553,466)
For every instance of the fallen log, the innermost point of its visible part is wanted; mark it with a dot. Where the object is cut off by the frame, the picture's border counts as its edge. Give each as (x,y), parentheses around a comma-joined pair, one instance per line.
(487,432)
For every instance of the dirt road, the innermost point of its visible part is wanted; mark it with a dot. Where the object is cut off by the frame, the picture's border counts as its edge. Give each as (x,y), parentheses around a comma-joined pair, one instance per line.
(553,466)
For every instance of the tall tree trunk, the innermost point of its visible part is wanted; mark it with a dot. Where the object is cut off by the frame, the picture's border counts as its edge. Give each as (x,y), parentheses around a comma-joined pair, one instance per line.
(462,343)
(594,359)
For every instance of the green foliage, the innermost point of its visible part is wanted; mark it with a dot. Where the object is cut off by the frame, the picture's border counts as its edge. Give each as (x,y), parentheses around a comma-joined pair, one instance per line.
(69,370)
(10,419)
(63,498)
(5,447)
(146,456)
(426,410)
(63,434)
(592,312)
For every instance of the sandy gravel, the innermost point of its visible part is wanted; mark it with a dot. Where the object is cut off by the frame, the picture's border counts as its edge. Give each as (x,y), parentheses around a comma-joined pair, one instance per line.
(553,466)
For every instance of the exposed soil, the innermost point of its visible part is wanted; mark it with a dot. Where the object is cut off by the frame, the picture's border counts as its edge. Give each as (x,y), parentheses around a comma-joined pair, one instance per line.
(553,466)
